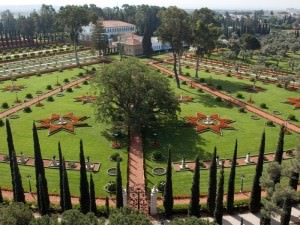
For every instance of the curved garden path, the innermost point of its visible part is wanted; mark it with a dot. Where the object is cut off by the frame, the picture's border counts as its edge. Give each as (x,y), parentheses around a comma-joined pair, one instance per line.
(231,99)
(137,197)
(42,97)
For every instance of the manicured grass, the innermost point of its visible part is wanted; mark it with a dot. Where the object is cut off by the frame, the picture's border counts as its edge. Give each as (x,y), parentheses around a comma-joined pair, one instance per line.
(186,142)
(96,145)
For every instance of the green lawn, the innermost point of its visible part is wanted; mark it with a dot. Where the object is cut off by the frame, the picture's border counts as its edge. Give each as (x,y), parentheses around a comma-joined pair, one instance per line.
(95,144)
(185,141)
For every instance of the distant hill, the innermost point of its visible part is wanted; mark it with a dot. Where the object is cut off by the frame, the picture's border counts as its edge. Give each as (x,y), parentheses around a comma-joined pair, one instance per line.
(22,9)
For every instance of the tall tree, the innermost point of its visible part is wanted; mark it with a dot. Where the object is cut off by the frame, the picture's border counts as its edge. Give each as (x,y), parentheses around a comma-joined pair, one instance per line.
(218,214)
(93,206)
(67,202)
(119,188)
(279,151)
(84,185)
(40,171)
(212,184)
(99,39)
(1,196)
(194,207)
(73,18)
(174,29)
(107,206)
(42,199)
(255,199)
(168,191)
(18,191)
(147,96)
(231,182)
(205,32)
(60,158)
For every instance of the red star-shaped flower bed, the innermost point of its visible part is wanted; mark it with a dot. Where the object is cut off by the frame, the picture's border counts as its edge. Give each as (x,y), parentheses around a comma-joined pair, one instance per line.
(85,99)
(295,102)
(58,123)
(212,123)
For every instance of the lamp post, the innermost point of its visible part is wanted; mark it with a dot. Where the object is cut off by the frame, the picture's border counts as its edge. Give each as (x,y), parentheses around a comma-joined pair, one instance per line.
(242,182)
(29,182)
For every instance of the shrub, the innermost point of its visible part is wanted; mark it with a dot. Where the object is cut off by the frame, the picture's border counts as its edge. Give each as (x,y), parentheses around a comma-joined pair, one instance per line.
(187,74)
(292,117)
(219,87)
(1,123)
(157,156)
(239,95)
(80,74)
(111,187)
(27,109)
(242,110)
(218,99)
(66,80)
(279,85)
(50,99)
(263,106)
(93,69)
(28,95)
(85,82)
(200,90)
(5,105)
(201,80)
(161,186)
(49,87)
(187,66)
(228,75)
(158,70)
(69,90)
(115,156)
(183,82)
(206,70)
(270,123)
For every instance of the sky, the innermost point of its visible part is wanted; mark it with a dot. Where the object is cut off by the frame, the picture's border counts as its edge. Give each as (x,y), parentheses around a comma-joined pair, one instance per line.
(191,4)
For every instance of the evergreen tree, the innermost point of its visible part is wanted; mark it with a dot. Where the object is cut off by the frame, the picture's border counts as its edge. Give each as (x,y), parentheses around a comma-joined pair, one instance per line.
(147,45)
(218,214)
(107,206)
(168,191)
(212,184)
(43,209)
(194,207)
(231,182)
(1,196)
(40,171)
(60,176)
(119,189)
(93,206)
(254,204)
(84,185)
(288,203)
(279,152)
(66,196)
(18,191)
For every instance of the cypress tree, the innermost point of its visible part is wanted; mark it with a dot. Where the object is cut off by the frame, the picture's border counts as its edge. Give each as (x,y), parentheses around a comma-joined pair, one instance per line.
(254,204)
(279,152)
(93,206)
(61,176)
(40,171)
(42,202)
(107,206)
(119,189)
(168,191)
(288,203)
(1,196)
(218,214)
(67,203)
(18,191)
(231,182)
(194,207)
(212,184)
(84,185)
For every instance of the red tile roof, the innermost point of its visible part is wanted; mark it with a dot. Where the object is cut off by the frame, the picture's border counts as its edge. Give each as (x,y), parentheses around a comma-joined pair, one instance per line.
(115,23)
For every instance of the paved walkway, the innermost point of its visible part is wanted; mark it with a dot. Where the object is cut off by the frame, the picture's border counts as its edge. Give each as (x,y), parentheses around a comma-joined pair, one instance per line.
(228,98)
(137,197)
(42,97)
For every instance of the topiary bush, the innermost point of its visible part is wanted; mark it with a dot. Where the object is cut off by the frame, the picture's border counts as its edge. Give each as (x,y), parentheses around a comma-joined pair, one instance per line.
(27,109)
(242,110)
(50,99)
(201,80)
(270,123)
(49,87)
(183,82)
(157,156)
(263,106)
(219,87)
(218,99)
(66,80)
(80,74)
(115,156)
(292,117)
(5,105)
(1,123)
(239,95)
(85,82)
(161,186)
(187,74)
(69,90)
(28,95)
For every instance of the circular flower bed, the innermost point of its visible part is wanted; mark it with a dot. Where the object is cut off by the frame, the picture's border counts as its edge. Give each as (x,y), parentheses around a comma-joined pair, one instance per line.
(39,92)
(159,171)
(60,95)
(110,187)
(254,117)
(112,171)
(275,112)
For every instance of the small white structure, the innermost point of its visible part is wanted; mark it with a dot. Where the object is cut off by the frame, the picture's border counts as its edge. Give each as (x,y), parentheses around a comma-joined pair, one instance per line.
(124,192)
(153,201)
(248,158)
